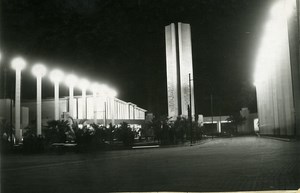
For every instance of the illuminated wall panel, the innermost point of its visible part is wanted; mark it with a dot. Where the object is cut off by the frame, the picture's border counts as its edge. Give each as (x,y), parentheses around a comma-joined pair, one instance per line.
(186,67)
(273,76)
(172,79)
(179,65)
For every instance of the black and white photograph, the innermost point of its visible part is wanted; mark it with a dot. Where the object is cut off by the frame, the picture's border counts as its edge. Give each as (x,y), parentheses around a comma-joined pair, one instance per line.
(149,96)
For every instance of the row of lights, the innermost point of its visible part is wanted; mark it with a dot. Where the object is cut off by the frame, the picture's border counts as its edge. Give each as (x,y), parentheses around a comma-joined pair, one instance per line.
(56,76)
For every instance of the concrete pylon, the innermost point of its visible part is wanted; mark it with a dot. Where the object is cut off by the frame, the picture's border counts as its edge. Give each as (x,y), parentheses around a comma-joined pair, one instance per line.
(179,65)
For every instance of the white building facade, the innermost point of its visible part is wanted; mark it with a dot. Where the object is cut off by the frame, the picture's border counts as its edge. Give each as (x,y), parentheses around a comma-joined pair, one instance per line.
(277,72)
(104,110)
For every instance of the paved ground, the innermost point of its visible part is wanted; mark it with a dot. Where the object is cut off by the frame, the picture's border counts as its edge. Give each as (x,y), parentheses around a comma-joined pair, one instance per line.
(232,164)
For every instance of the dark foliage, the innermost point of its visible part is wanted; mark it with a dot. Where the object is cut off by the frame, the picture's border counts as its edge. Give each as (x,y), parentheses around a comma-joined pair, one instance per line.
(31,142)
(167,131)
(58,132)
(125,134)
(5,140)
(236,119)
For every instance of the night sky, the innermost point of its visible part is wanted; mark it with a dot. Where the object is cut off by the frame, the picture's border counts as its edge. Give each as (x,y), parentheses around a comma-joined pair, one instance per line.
(121,43)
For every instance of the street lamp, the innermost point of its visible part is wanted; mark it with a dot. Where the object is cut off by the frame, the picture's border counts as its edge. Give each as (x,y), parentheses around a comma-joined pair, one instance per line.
(70,81)
(56,77)
(190,108)
(104,93)
(18,64)
(112,94)
(95,89)
(84,84)
(39,70)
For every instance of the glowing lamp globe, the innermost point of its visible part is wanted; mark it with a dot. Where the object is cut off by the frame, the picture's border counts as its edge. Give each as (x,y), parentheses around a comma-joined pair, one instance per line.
(18,63)
(103,89)
(95,87)
(71,80)
(39,70)
(84,83)
(112,93)
(56,75)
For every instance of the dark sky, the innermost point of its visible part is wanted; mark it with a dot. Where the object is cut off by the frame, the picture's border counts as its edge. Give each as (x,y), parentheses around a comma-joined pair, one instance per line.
(121,43)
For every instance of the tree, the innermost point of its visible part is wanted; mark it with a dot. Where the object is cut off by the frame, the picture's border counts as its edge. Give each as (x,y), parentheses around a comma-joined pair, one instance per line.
(126,134)
(236,120)
(57,131)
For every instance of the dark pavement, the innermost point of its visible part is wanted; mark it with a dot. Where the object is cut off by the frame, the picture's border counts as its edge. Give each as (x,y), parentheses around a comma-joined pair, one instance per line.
(231,164)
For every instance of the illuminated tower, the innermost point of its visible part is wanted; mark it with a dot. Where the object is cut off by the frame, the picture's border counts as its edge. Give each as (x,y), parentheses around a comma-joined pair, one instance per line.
(179,66)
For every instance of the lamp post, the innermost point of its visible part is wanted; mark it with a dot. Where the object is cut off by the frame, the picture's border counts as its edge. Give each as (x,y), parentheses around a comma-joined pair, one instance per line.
(190,108)
(112,95)
(95,89)
(71,80)
(212,111)
(104,91)
(56,77)
(84,84)
(18,64)
(39,70)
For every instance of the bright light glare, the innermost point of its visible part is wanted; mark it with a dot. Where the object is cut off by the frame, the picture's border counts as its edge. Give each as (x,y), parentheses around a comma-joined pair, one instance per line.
(18,63)
(84,83)
(39,70)
(56,75)
(290,5)
(106,91)
(271,44)
(71,80)
(277,10)
(282,9)
(112,93)
(103,88)
(95,87)
(0,56)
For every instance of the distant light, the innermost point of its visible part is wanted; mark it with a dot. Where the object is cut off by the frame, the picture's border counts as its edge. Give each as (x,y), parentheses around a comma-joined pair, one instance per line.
(95,87)
(113,93)
(80,126)
(103,88)
(282,9)
(84,83)
(71,80)
(18,63)
(39,70)
(106,91)
(0,56)
(290,5)
(278,9)
(56,75)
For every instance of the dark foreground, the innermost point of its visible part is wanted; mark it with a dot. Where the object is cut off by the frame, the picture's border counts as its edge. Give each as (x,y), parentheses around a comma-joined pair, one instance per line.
(232,164)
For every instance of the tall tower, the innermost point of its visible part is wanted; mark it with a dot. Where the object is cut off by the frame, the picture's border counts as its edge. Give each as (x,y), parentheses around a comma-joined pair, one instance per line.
(179,66)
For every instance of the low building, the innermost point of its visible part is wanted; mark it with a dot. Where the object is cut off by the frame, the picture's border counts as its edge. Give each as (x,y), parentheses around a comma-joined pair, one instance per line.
(215,123)
(106,111)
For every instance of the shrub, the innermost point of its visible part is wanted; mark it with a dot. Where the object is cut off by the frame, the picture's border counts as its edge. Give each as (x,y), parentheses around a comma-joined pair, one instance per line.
(90,137)
(5,139)
(31,142)
(126,135)
(58,132)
